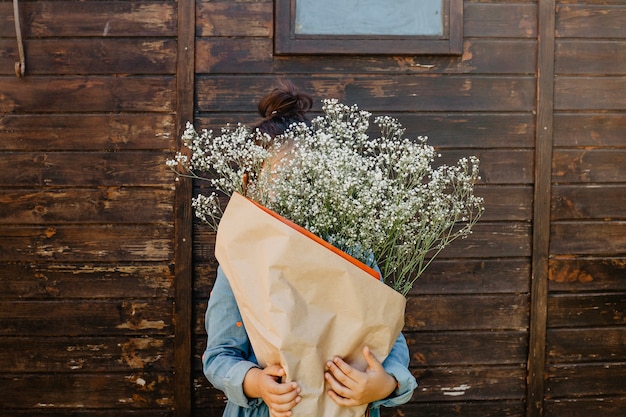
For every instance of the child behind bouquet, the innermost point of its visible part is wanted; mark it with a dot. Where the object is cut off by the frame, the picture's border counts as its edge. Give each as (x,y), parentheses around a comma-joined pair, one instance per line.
(229,362)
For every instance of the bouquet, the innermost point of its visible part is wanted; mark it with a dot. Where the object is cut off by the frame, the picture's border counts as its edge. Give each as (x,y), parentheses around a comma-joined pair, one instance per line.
(378,199)
(313,215)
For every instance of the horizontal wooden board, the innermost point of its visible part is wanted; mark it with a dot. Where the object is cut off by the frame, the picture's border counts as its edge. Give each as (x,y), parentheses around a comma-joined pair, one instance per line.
(110,132)
(604,344)
(600,380)
(496,408)
(588,238)
(583,310)
(59,281)
(589,93)
(444,130)
(91,56)
(85,354)
(590,20)
(254,55)
(234,19)
(378,93)
(66,392)
(582,56)
(87,205)
(589,130)
(86,318)
(87,243)
(499,20)
(85,169)
(585,407)
(593,202)
(48,19)
(467,312)
(589,166)
(467,348)
(567,274)
(87,94)
(101,412)
(470,384)
(497,166)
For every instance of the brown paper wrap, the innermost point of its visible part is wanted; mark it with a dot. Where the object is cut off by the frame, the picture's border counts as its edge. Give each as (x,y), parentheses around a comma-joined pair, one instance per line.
(304,302)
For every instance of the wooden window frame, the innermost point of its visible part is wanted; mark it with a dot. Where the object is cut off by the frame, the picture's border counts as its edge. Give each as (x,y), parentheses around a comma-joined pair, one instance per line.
(287,42)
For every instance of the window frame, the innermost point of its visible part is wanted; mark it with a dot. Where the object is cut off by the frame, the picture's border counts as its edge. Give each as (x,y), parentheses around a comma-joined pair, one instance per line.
(287,42)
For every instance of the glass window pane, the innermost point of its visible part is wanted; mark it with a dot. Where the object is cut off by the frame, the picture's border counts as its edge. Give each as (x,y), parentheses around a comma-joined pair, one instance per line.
(369,17)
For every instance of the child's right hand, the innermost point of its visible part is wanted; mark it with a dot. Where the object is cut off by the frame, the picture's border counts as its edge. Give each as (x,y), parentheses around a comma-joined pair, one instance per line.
(265,384)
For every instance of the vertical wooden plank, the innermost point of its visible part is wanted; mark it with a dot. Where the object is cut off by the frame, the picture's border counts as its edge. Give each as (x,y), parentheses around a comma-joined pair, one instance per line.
(541,220)
(183,215)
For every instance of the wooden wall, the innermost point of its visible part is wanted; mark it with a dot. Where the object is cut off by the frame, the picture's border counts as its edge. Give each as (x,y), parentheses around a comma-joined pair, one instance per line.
(524,318)
(86,220)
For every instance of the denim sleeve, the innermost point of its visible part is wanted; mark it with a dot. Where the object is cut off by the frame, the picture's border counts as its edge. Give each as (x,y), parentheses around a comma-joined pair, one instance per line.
(228,356)
(397,365)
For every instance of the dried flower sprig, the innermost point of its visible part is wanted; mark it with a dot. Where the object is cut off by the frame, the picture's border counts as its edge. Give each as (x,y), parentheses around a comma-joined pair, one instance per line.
(379,199)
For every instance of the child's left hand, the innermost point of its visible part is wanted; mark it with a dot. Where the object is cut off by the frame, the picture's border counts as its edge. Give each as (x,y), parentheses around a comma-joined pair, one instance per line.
(351,387)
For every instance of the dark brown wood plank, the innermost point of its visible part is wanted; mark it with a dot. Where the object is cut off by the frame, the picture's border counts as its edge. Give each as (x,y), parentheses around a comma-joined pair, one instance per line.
(497,408)
(444,130)
(576,129)
(569,274)
(468,348)
(86,205)
(60,281)
(589,93)
(65,392)
(586,310)
(588,238)
(582,56)
(43,355)
(511,203)
(255,55)
(455,384)
(379,93)
(590,21)
(87,317)
(589,165)
(86,243)
(91,56)
(497,166)
(600,380)
(87,94)
(84,169)
(183,305)
(586,345)
(585,407)
(111,132)
(594,202)
(90,19)
(500,20)
(467,312)
(241,19)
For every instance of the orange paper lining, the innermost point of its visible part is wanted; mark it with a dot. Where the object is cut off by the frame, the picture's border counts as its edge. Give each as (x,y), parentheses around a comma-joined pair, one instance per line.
(319,240)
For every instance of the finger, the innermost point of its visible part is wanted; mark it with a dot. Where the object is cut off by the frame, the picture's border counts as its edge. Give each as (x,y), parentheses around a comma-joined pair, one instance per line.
(340,400)
(275,370)
(336,386)
(372,362)
(343,371)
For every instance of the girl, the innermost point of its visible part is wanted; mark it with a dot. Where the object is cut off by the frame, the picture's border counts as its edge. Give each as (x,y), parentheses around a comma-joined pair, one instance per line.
(229,362)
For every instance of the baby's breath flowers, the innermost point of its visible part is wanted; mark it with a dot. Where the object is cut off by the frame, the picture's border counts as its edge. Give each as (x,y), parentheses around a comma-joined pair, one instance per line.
(379,199)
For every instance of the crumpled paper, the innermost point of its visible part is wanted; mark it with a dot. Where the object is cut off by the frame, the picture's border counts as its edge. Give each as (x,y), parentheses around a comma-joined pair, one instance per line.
(304,302)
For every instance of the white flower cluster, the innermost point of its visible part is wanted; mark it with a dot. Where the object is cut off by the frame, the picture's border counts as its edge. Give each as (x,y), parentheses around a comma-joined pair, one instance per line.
(375,198)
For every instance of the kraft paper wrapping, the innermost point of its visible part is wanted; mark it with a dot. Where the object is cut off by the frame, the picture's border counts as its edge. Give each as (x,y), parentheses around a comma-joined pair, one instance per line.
(303,303)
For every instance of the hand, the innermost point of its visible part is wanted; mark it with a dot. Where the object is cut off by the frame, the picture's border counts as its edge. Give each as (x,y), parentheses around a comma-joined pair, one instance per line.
(350,387)
(265,384)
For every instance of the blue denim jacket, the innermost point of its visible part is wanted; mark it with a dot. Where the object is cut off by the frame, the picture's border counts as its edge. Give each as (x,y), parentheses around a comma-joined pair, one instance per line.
(229,356)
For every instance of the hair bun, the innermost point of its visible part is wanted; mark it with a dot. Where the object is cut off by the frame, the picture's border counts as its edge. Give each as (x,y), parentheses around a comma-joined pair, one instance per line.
(285,101)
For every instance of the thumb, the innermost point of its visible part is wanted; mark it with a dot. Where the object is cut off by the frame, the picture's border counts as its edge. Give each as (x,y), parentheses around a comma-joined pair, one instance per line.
(275,370)
(372,362)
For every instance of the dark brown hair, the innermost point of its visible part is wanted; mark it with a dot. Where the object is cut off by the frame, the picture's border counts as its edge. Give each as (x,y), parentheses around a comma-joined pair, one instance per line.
(281,107)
